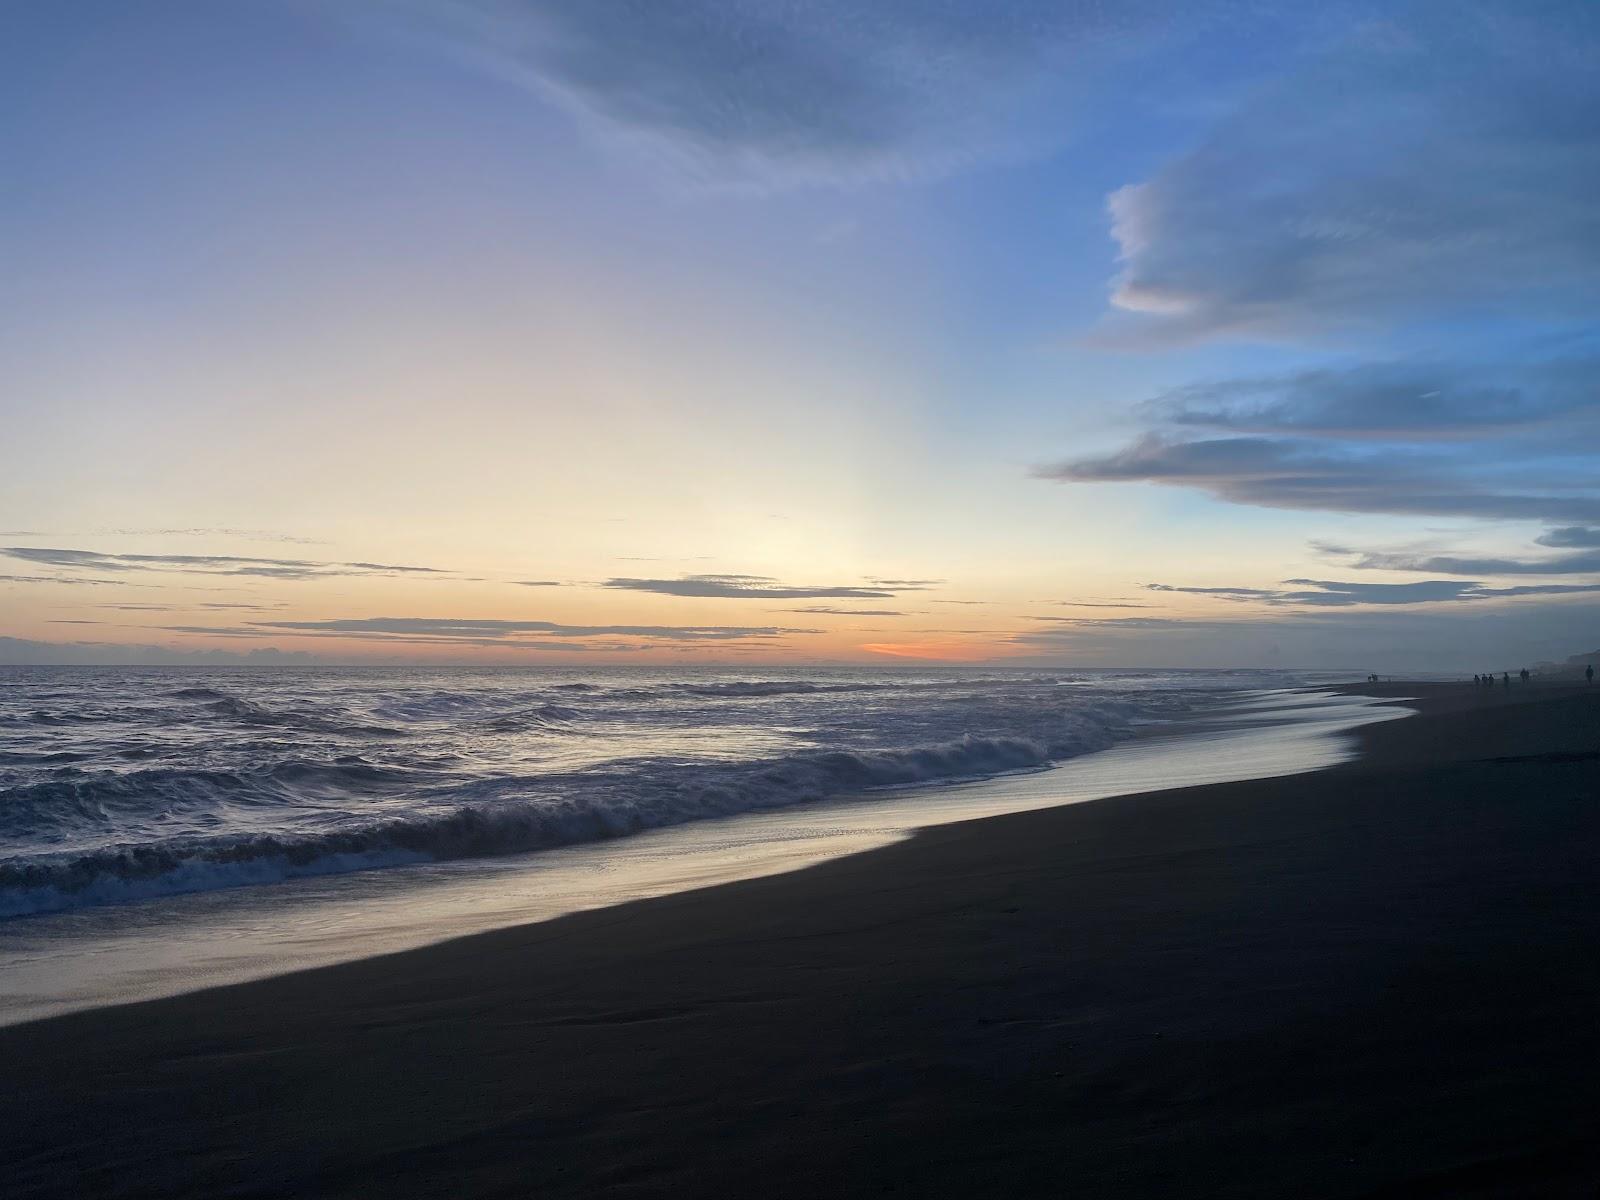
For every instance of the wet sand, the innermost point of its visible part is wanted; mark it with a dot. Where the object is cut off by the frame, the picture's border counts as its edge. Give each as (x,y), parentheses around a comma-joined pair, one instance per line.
(1380,979)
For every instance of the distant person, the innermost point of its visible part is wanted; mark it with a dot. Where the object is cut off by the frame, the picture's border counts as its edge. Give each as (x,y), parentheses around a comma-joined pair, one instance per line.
(1508,681)
(1588,673)
(1524,674)
(1477,680)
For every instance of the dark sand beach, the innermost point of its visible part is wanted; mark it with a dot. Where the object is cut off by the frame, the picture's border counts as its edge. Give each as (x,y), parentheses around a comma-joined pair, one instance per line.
(1378,980)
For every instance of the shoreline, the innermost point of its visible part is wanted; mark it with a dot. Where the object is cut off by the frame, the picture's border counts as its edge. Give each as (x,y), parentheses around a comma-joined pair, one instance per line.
(1377,978)
(102,955)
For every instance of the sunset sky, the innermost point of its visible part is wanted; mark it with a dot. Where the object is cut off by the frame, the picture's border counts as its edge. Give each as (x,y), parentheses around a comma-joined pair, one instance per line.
(569,331)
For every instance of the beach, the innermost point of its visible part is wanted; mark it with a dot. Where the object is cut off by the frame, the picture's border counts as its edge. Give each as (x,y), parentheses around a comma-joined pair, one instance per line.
(1378,979)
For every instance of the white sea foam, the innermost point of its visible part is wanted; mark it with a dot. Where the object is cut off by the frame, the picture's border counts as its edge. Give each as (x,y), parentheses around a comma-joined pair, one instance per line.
(240,778)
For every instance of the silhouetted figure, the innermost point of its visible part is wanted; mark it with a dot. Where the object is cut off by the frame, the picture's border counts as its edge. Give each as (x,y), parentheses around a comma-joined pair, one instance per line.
(1508,681)
(1588,673)
(1524,674)
(1478,680)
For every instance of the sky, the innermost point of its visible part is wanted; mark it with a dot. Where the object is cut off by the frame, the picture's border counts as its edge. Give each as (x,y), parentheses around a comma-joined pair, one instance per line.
(753,331)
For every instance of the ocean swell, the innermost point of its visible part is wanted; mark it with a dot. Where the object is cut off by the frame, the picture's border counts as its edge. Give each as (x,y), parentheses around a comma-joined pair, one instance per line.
(491,816)
(122,784)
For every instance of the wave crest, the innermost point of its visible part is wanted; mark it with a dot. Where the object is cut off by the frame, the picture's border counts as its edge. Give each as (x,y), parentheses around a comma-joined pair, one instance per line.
(488,817)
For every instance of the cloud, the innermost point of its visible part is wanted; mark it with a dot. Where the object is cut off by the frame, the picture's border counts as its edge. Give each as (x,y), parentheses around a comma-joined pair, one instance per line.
(1570,535)
(1329,593)
(1227,593)
(1070,627)
(1446,167)
(1455,638)
(745,587)
(208,564)
(849,612)
(1429,175)
(1396,401)
(82,580)
(906,585)
(752,92)
(537,582)
(1094,604)
(484,629)
(1432,173)
(1298,473)
(249,535)
(494,640)
(1583,563)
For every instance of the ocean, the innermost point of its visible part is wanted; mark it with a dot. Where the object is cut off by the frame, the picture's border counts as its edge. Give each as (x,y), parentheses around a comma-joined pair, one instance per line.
(166,827)
(117,785)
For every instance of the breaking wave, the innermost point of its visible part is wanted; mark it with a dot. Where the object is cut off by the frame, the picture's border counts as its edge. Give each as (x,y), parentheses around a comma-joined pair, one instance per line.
(482,818)
(117,785)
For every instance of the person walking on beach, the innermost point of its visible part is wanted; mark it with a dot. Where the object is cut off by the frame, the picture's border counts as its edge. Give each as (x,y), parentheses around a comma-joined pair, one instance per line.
(1588,673)
(1508,680)
(1477,680)
(1524,674)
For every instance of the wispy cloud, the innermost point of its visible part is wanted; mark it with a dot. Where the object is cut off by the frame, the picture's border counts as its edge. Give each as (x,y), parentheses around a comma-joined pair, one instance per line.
(1586,562)
(248,535)
(1299,473)
(1097,604)
(746,587)
(1395,401)
(742,92)
(1423,176)
(553,640)
(1330,593)
(537,582)
(1390,639)
(207,564)
(1444,169)
(492,630)
(848,612)
(1570,536)
(81,580)
(1068,629)
(1226,593)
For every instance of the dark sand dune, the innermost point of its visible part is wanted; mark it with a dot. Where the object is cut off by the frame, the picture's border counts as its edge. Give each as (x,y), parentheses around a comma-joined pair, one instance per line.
(1380,980)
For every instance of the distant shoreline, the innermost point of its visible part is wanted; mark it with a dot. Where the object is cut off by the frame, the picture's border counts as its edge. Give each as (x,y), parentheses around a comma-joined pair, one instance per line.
(1375,979)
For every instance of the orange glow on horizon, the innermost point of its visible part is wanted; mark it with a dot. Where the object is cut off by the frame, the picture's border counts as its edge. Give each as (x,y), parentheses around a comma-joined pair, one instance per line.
(937,651)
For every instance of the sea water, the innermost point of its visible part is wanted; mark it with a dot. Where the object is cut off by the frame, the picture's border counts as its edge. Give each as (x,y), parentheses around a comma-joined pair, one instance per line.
(164,828)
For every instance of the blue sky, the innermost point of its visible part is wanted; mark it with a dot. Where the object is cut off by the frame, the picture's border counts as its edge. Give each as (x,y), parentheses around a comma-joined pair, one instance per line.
(1182,335)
